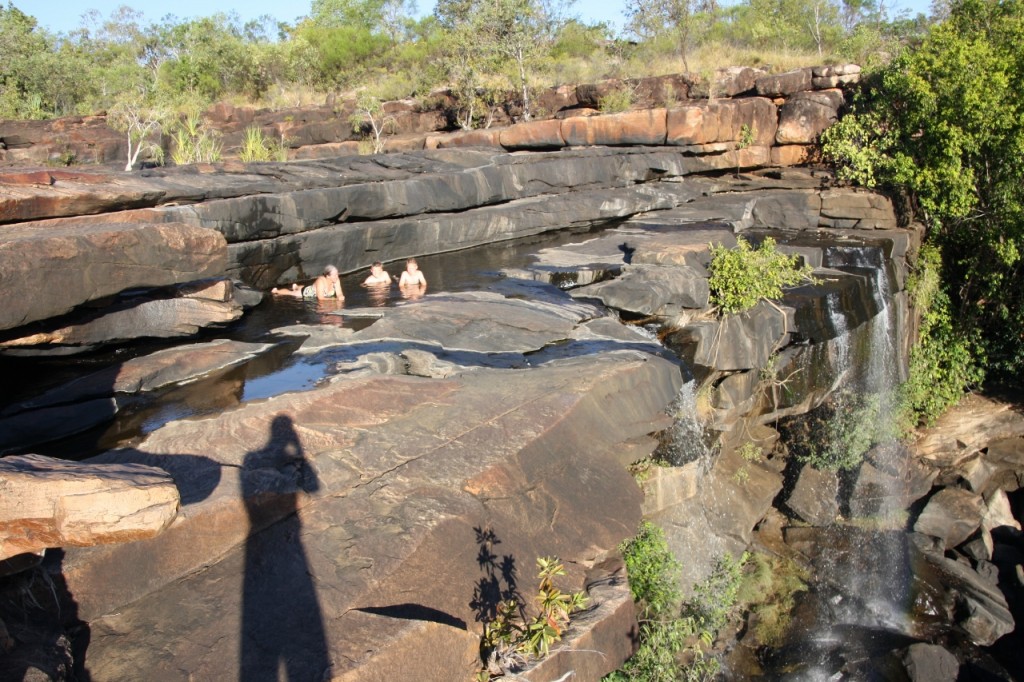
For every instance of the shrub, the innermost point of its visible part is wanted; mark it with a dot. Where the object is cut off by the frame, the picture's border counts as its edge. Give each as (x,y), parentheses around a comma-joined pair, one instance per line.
(617,100)
(742,276)
(674,633)
(193,143)
(258,147)
(509,642)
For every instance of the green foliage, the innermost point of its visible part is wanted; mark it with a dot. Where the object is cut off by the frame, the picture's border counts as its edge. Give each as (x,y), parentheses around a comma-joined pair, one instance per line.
(141,122)
(369,118)
(256,146)
(509,642)
(750,454)
(944,122)
(617,100)
(845,430)
(674,634)
(768,590)
(946,359)
(653,571)
(192,143)
(742,276)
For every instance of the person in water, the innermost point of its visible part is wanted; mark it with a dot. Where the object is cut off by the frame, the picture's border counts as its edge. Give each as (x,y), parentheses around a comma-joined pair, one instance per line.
(326,286)
(412,277)
(377,276)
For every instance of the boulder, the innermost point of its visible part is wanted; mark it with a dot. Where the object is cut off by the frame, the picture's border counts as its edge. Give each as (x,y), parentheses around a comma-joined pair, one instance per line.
(481,322)
(740,341)
(49,271)
(969,600)
(815,496)
(930,663)
(178,365)
(848,208)
(177,313)
(968,428)
(998,512)
(48,502)
(784,84)
(806,114)
(532,135)
(698,125)
(952,515)
(415,479)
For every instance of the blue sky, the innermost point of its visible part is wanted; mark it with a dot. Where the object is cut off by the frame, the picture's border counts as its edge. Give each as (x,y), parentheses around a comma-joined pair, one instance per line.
(61,16)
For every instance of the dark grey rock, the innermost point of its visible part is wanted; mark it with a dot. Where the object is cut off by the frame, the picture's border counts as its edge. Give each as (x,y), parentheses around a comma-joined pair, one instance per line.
(930,663)
(648,289)
(952,515)
(815,496)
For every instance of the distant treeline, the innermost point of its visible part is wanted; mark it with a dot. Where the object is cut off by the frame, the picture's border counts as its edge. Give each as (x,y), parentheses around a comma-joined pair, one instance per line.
(480,51)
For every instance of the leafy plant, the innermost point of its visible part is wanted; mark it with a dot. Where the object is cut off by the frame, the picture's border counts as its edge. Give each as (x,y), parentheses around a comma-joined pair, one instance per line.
(674,634)
(750,454)
(846,431)
(509,641)
(768,590)
(616,100)
(742,276)
(256,146)
(193,143)
(140,121)
(370,118)
(745,139)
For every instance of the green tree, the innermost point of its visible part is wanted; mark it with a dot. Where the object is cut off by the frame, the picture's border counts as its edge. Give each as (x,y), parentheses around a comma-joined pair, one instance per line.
(685,21)
(945,123)
(26,55)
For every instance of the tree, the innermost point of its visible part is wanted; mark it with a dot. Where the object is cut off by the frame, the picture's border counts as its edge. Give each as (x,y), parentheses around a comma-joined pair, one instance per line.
(25,59)
(945,123)
(370,113)
(686,21)
(140,121)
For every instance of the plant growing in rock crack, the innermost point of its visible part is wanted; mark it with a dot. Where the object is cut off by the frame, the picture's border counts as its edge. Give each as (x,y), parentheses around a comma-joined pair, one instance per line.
(845,432)
(745,139)
(510,641)
(742,276)
(750,454)
(674,634)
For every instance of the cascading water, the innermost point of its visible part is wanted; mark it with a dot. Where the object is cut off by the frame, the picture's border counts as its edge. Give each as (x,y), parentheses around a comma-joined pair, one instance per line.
(859,602)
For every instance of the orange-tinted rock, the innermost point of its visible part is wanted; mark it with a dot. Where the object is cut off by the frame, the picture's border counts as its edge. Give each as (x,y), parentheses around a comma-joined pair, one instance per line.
(646,127)
(794,154)
(46,502)
(722,121)
(806,114)
(532,135)
(487,137)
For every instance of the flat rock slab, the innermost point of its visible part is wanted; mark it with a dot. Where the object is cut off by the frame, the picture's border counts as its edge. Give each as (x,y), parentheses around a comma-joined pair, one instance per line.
(482,322)
(46,502)
(50,270)
(375,512)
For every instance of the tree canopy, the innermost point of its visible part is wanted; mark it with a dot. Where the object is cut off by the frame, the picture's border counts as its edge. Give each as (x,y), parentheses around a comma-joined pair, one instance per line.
(474,49)
(944,123)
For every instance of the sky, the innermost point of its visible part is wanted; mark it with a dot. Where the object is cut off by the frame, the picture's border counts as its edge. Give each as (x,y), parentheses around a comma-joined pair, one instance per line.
(62,16)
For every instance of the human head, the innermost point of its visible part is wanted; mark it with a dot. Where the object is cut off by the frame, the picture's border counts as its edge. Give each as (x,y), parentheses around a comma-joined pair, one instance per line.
(377,265)
(411,265)
(330,271)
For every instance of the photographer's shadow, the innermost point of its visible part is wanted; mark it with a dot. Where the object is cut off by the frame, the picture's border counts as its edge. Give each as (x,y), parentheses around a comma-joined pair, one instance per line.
(282,629)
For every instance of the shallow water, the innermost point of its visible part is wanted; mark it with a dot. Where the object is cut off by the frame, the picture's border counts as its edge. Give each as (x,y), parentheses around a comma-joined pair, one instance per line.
(273,373)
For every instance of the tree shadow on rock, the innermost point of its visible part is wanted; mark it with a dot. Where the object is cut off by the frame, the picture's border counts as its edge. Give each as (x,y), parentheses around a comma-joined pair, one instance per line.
(499,583)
